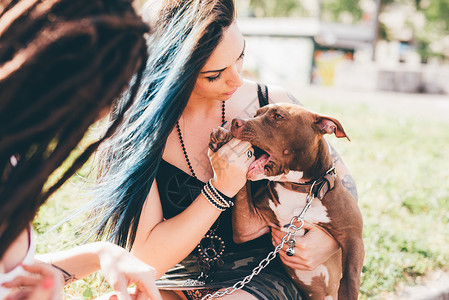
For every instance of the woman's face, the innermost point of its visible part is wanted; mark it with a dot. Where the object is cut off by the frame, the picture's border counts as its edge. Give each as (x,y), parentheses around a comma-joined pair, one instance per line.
(220,76)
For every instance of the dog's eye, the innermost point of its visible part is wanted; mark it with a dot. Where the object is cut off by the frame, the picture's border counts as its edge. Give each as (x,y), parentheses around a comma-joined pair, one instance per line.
(278,116)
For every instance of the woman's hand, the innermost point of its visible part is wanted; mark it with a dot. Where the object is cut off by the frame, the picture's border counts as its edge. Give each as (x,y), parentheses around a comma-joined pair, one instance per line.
(43,283)
(121,268)
(230,164)
(311,250)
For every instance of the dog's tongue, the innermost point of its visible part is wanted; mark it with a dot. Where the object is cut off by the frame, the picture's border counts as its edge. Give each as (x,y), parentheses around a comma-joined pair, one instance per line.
(257,167)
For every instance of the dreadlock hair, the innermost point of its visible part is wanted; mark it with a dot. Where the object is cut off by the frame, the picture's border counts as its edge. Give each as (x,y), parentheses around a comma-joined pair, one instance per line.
(61,63)
(184,36)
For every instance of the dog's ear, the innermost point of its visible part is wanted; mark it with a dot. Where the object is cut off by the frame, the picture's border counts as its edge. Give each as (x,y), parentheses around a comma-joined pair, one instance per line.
(330,125)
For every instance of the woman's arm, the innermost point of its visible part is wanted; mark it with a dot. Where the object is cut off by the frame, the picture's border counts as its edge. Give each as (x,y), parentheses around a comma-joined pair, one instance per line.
(342,171)
(163,243)
(119,267)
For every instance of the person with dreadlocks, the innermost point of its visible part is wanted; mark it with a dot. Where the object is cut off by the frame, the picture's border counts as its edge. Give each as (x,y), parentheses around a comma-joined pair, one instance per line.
(162,194)
(62,63)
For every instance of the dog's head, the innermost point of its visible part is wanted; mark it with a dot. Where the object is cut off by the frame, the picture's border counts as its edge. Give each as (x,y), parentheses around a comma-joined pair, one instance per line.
(286,137)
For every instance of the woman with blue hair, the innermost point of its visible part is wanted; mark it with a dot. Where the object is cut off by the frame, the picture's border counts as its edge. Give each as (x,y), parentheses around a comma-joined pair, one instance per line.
(162,194)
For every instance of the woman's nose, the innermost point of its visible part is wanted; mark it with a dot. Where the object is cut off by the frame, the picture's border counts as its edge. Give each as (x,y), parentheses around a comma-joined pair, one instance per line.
(235,78)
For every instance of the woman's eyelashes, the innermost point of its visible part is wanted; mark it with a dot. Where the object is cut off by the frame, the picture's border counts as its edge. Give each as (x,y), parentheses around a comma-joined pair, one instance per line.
(214,78)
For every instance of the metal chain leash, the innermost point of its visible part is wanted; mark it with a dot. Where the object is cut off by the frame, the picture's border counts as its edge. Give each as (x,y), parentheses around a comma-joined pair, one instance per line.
(291,231)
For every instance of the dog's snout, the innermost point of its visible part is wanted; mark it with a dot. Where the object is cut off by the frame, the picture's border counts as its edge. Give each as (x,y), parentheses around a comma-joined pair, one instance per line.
(237,123)
(237,127)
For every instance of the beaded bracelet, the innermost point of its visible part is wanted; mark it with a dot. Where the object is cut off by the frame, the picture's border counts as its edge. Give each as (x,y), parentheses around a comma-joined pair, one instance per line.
(228,200)
(212,201)
(216,198)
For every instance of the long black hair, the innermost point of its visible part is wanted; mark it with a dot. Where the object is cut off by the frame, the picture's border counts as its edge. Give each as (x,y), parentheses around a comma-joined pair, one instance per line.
(185,34)
(61,63)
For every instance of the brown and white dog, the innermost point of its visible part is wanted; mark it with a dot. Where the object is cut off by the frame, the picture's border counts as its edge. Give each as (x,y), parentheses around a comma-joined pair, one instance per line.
(293,155)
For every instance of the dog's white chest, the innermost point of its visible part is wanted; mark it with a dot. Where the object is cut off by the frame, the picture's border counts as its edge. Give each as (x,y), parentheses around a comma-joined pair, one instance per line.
(292,203)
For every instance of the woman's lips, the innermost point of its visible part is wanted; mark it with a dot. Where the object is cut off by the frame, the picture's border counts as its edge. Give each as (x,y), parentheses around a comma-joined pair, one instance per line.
(231,92)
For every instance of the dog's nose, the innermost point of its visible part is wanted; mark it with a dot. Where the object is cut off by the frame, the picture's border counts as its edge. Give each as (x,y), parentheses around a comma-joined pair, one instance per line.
(236,123)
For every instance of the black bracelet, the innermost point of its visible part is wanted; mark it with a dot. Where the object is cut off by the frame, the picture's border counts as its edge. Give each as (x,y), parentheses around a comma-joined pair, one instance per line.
(212,199)
(217,193)
(67,276)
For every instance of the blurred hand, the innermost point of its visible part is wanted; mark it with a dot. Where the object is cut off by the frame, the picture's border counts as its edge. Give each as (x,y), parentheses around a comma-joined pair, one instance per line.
(230,164)
(311,250)
(43,283)
(121,268)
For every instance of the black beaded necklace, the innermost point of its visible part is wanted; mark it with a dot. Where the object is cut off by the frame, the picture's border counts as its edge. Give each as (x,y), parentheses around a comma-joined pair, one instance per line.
(211,246)
(223,120)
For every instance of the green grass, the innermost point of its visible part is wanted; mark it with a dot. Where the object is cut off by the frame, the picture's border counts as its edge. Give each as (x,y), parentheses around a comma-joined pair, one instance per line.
(400,166)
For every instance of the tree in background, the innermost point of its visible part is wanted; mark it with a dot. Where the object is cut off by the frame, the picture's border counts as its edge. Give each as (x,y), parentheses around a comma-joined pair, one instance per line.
(270,8)
(342,11)
(430,37)
(433,39)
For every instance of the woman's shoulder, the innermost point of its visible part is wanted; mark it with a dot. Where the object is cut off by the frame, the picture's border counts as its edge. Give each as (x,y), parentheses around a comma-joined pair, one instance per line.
(246,98)
(249,87)
(278,94)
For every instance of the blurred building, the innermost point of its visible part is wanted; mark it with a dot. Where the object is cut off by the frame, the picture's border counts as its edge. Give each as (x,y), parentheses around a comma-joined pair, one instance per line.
(300,50)
(295,51)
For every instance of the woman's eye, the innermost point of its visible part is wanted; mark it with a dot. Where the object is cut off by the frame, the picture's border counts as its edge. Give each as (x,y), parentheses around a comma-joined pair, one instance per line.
(213,78)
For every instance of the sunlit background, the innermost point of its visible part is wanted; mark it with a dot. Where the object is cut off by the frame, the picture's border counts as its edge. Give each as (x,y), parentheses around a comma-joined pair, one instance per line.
(395,45)
(398,45)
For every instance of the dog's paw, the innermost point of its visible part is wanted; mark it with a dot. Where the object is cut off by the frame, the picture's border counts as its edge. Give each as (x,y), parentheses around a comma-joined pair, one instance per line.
(218,138)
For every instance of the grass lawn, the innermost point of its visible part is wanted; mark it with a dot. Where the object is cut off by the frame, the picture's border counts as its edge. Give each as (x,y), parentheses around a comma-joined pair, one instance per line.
(400,164)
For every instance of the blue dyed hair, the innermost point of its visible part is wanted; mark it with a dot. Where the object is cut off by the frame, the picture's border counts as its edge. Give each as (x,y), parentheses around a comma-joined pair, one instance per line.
(185,33)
